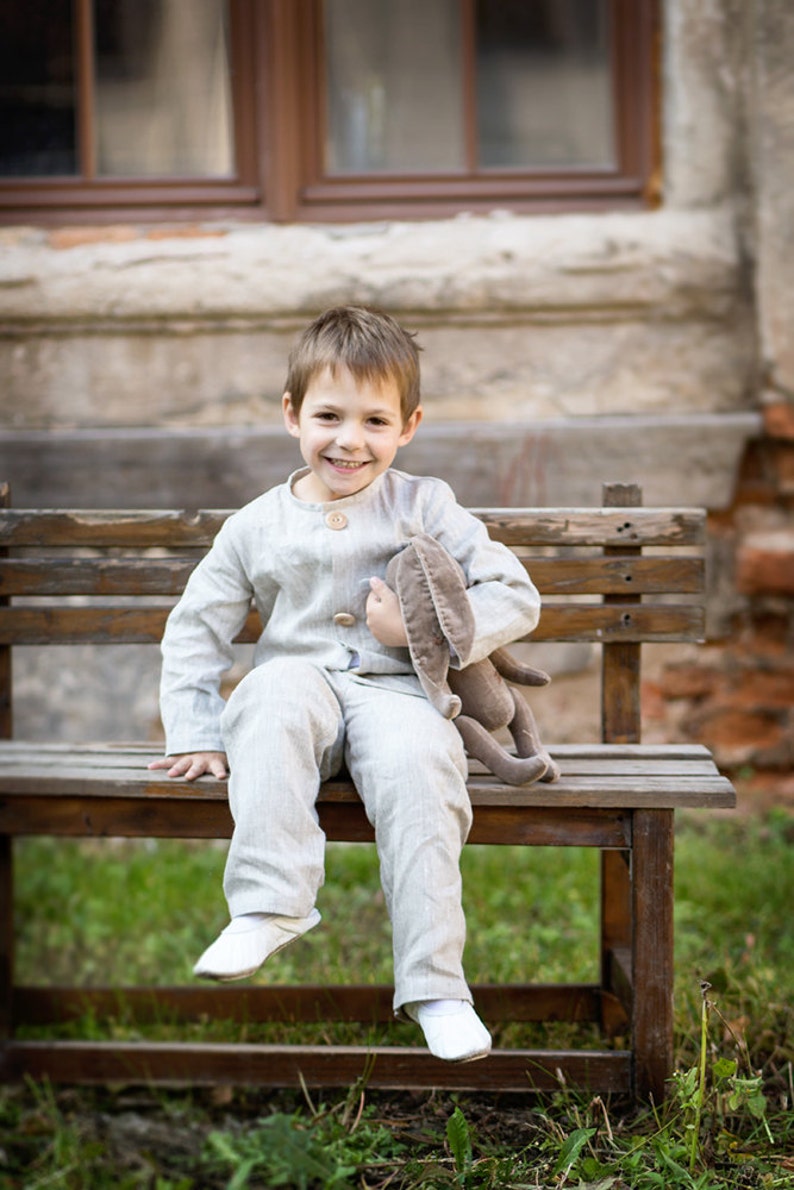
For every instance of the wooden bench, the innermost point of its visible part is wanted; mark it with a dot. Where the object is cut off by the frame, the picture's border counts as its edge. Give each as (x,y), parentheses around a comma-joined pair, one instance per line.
(126,568)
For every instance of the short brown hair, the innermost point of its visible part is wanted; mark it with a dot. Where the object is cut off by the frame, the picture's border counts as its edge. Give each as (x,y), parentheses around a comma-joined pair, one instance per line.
(371,344)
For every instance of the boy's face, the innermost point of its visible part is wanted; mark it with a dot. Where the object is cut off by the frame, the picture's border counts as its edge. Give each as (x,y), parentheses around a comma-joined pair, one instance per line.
(349,433)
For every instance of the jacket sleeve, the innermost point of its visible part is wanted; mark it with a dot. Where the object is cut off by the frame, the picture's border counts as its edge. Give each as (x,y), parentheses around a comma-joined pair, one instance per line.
(503,598)
(197,647)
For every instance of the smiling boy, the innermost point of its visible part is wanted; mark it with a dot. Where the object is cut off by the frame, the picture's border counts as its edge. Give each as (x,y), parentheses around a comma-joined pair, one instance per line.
(332,682)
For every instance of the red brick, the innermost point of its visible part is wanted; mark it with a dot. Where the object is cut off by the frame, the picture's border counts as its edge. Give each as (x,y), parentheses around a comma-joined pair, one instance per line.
(688,680)
(189,232)
(739,737)
(765,564)
(779,420)
(783,462)
(76,237)
(763,688)
(768,638)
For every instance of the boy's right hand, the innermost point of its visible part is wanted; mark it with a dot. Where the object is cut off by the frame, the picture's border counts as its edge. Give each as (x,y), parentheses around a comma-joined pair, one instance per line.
(193,764)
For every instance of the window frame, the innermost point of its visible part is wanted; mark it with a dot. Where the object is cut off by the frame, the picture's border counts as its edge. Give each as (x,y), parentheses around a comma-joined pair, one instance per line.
(88,198)
(278,104)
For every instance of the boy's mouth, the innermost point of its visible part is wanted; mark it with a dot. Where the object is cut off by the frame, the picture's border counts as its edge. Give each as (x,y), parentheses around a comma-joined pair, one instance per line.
(346,464)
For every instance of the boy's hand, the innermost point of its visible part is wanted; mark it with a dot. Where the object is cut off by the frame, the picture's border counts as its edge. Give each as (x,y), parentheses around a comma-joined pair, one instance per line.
(384,618)
(193,764)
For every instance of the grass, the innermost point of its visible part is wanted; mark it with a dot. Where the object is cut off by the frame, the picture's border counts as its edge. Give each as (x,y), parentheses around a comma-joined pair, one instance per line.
(141,912)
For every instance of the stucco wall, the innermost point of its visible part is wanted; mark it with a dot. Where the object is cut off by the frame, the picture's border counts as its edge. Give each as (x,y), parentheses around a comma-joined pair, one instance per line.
(520,317)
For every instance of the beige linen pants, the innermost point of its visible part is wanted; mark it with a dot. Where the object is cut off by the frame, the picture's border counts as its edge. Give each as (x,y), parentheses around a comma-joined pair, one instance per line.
(288,726)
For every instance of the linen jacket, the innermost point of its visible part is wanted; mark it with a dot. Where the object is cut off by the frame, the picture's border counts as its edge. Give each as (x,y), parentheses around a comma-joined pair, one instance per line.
(306,567)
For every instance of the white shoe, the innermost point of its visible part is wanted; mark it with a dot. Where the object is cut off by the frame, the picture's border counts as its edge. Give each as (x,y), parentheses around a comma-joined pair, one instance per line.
(452,1029)
(247,941)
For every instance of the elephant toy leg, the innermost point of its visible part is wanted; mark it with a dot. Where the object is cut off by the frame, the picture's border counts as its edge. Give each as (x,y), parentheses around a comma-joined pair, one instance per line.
(513,770)
(524,731)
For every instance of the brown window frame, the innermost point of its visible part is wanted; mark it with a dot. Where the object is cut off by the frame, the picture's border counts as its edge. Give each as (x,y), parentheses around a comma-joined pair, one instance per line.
(277,96)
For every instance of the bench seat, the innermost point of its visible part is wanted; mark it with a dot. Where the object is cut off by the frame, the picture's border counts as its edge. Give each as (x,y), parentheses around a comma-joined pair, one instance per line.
(106,790)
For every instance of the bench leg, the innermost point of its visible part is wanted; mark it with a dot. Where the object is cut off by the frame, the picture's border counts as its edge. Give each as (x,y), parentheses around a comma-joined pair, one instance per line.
(6,935)
(652,897)
(616,913)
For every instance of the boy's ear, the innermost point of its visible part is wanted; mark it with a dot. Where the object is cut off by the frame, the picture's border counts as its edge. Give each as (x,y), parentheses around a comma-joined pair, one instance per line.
(410,427)
(290,416)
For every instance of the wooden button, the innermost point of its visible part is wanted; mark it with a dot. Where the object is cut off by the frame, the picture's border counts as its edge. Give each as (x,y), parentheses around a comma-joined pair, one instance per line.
(336,520)
(344,619)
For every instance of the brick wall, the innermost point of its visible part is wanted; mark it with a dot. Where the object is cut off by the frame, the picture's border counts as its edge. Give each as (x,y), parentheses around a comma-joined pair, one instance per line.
(736,694)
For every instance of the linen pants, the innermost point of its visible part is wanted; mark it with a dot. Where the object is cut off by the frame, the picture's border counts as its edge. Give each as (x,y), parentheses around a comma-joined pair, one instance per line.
(290,725)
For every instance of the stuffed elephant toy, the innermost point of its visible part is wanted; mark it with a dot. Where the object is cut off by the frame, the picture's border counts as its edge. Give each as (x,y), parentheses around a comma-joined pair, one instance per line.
(431,589)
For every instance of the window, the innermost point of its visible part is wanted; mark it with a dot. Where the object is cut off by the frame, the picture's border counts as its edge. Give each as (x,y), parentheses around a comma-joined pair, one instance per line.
(323,109)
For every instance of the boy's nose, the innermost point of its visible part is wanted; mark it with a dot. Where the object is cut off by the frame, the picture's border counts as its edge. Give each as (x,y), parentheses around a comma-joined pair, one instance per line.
(349,436)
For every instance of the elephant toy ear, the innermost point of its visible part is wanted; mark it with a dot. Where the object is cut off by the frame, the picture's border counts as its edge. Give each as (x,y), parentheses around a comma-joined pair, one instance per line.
(445,583)
(437,615)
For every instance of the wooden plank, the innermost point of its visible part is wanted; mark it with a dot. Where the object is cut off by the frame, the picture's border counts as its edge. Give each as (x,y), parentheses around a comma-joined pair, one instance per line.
(167,576)
(620,660)
(652,944)
(135,624)
(28,760)
(585,818)
(615,925)
(94,576)
(621,719)
(383,1067)
(596,526)
(141,751)
(135,529)
(174,529)
(605,789)
(617,576)
(6,681)
(288,1002)
(7,939)
(117,816)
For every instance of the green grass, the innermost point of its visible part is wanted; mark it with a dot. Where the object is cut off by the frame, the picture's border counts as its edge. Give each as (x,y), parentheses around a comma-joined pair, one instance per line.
(111,912)
(142,912)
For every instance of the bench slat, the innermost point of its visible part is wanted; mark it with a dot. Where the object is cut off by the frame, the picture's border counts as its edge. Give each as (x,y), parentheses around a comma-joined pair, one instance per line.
(633,526)
(659,790)
(385,1067)
(188,529)
(118,815)
(103,766)
(144,625)
(167,576)
(94,576)
(302,1002)
(104,750)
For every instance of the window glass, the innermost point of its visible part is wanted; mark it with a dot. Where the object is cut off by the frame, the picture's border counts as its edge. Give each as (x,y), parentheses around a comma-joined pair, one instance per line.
(163,102)
(394,88)
(37,89)
(544,88)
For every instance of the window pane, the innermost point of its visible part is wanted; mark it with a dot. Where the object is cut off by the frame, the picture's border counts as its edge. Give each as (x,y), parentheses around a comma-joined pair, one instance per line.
(544,93)
(394,86)
(163,97)
(37,93)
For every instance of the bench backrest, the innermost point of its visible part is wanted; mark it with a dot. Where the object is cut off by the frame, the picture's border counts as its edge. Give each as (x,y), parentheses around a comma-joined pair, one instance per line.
(111,577)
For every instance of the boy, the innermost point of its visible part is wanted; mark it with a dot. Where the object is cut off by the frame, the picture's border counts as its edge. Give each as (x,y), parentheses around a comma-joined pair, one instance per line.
(332,681)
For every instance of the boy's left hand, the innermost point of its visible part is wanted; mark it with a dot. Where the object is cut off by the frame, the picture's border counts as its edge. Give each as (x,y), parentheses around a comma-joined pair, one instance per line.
(384,618)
